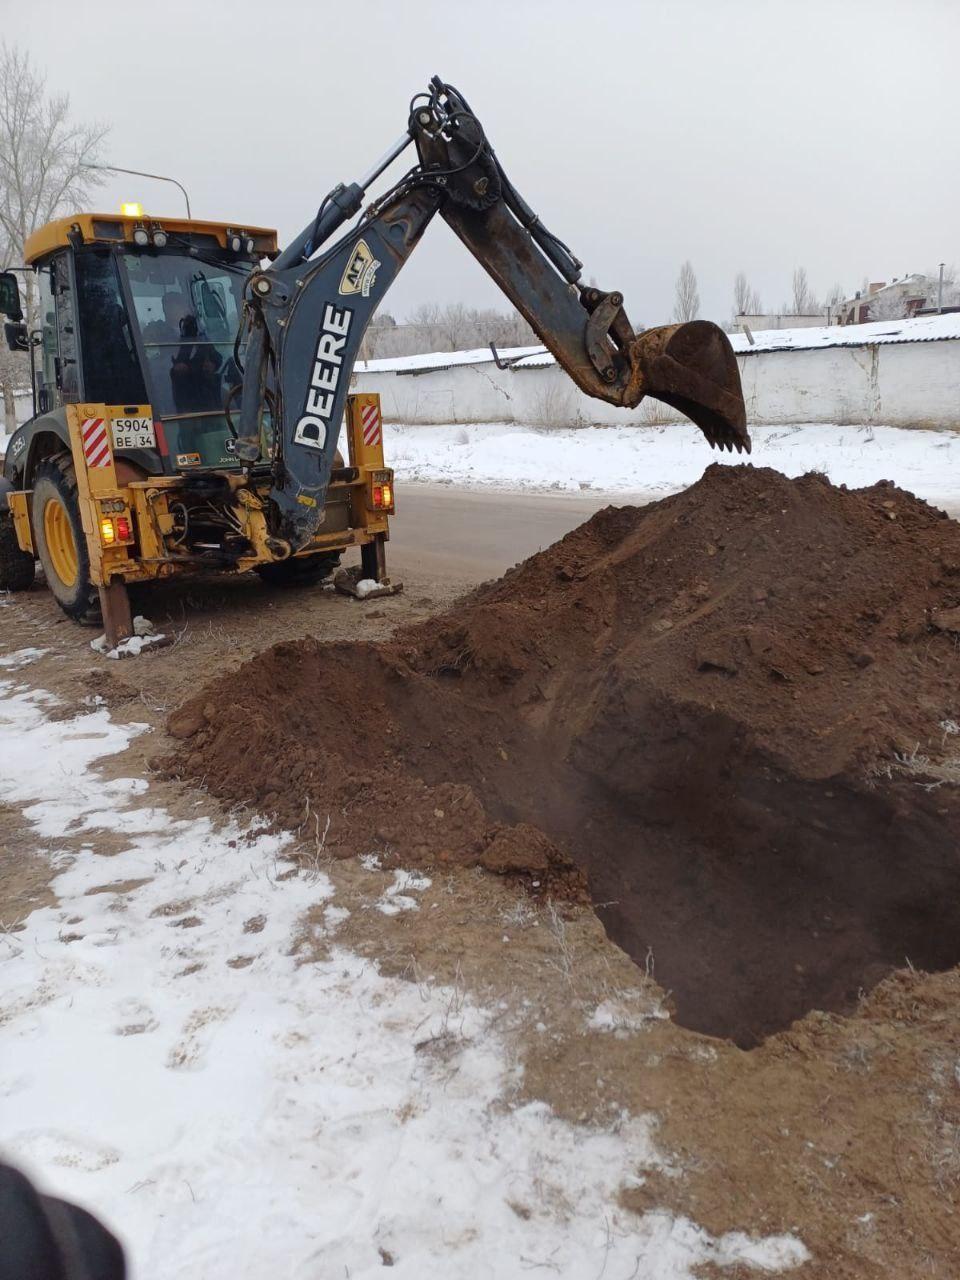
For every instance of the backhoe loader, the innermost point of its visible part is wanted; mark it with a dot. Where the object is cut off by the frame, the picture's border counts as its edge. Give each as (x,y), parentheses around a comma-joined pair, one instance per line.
(190,380)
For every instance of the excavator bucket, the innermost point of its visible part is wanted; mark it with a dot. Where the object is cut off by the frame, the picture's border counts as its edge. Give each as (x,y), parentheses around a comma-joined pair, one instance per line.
(692,367)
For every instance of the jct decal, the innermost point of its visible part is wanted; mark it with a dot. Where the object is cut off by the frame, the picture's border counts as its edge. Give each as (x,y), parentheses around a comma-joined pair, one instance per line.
(360,273)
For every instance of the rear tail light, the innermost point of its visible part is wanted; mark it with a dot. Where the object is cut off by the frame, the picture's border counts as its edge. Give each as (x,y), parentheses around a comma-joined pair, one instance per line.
(115,528)
(383,496)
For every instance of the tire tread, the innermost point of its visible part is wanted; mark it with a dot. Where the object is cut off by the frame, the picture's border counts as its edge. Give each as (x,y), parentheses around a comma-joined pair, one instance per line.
(17,568)
(60,471)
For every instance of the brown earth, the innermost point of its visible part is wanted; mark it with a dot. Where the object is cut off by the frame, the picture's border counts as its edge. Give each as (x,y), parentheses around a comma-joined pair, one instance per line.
(842,1130)
(734,709)
(845,1130)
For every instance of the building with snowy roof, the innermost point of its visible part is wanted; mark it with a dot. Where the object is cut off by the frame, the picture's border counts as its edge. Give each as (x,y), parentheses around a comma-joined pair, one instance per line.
(898,373)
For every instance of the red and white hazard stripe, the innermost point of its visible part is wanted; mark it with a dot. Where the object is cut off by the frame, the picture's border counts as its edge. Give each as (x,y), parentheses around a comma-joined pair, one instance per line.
(370,424)
(96,446)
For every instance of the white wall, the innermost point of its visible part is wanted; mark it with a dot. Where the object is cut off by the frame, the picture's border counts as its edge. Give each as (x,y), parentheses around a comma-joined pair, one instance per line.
(899,384)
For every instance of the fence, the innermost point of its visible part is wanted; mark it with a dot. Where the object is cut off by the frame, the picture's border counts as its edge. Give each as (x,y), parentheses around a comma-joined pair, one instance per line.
(898,382)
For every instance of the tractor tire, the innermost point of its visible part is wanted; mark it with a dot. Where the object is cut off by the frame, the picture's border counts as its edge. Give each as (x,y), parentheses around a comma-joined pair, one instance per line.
(61,544)
(17,568)
(300,571)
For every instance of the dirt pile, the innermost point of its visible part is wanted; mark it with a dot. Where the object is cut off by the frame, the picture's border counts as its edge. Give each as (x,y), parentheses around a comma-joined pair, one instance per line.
(736,710)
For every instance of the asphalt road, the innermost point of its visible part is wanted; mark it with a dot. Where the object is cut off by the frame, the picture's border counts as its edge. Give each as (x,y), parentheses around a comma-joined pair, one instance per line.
(469,535)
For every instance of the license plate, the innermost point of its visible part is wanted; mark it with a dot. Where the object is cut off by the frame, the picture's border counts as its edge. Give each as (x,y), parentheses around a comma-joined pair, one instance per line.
(134,433)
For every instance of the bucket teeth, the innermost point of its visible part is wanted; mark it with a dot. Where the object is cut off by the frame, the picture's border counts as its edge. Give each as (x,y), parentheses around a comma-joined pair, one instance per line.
(692,367)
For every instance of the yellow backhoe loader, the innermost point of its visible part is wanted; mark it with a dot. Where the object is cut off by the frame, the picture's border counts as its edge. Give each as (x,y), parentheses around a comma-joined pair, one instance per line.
(190,381)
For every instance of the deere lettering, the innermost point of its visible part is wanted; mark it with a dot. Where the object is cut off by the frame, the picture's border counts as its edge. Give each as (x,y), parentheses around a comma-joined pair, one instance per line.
(311,430)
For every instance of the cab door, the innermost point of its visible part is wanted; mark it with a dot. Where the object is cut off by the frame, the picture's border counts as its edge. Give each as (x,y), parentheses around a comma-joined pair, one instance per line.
(69,380)
(58,377)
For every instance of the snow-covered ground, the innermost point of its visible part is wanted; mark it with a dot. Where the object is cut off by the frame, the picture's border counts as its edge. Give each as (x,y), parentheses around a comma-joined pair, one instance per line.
(658,460)
(236,1111)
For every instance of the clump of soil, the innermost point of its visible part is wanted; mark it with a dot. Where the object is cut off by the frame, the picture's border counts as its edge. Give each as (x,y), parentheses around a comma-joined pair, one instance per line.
(735,710)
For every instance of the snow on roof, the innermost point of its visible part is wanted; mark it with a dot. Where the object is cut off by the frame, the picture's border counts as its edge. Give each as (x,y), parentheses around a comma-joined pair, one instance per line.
(915,277)
(540,358)
(918,329)
(440,360)
(881,332)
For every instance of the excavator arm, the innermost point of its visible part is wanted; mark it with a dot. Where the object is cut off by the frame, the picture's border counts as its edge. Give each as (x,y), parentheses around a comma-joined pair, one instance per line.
(306,313)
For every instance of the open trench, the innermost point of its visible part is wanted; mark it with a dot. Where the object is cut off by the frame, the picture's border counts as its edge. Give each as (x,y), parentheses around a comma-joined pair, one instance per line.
(752,896)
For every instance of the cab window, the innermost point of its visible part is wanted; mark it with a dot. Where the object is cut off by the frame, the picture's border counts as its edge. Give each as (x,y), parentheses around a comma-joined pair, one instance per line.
(111,370)
(67,360)
(188,313)
(58,379)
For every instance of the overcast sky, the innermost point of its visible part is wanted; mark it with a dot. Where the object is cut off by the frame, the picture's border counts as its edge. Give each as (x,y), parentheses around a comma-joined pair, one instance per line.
(749,135)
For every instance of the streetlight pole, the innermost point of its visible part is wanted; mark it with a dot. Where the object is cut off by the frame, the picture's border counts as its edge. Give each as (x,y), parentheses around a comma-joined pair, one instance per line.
(940,292)
(139,173)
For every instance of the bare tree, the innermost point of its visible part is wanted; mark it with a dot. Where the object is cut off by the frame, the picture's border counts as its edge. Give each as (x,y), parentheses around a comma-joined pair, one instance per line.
(888,304)
(804,301)
(746,301)
(430,327)
(454,326)
(741,294)
(42,155)
(835,298)
(427,313)
(14,376)
(833,303)
(687,296)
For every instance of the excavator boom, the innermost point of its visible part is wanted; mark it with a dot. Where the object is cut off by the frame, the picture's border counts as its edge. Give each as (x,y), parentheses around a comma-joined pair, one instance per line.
(306,313)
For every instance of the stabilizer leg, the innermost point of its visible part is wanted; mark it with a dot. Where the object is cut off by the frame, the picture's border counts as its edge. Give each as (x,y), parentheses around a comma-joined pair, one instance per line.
(373,558)
(372,569)
(115,605)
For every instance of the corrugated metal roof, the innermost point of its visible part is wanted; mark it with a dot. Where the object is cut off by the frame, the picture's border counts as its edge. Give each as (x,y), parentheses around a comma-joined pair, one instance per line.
(880,332)
(430,361)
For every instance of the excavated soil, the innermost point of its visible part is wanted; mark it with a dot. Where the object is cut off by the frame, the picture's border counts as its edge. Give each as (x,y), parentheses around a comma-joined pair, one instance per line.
(733,716)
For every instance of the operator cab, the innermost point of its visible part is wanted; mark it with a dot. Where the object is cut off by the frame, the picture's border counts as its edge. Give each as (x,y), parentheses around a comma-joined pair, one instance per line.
(145,313)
